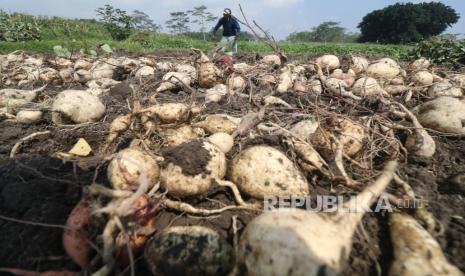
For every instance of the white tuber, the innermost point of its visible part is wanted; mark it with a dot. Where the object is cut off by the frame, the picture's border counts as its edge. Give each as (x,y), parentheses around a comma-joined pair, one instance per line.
(128,165)
(446,114)
(77,105)
(262,171)
(416,252)
(298,242)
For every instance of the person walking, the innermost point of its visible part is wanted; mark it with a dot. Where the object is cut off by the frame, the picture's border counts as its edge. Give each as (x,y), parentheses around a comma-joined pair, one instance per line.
(231,31)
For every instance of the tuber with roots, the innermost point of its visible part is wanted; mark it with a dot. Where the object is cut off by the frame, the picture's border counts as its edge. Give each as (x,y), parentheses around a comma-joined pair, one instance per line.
(189,250)
(298,242)
(168,112)
(13,98)
(328,62)
(445,114)
(419,142)
(126,167)
(416,252)
(178,135)
(365,87)
(261,171)
(385,68)
(190,169)
(171,80)
(78,106)
(444,88)
(219,123)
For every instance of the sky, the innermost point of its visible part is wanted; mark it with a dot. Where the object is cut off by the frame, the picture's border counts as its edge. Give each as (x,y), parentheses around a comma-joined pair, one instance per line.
(279,17)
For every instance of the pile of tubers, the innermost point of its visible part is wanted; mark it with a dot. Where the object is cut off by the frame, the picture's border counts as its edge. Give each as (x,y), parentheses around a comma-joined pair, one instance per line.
(183,148)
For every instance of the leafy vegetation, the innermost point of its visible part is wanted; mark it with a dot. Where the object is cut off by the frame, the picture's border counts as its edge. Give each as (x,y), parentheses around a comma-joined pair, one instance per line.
(329,31)
(18,27)
(116,21)
(406,23)
(441,51)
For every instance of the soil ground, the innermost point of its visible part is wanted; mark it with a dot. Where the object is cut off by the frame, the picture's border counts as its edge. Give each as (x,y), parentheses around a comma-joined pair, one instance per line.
(37,188)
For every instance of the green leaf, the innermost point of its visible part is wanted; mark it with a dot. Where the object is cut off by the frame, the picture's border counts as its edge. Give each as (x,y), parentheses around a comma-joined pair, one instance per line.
(92,53)
(61,51)
(106,48)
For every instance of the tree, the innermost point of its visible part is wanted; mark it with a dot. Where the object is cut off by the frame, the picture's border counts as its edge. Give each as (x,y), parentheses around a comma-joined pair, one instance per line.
(202,17)
(117,22)
(143,22)
(328,31)
(405,23)
(178,23)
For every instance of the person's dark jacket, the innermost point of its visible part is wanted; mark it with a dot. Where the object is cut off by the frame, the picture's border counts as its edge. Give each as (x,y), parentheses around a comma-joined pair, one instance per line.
(230,26)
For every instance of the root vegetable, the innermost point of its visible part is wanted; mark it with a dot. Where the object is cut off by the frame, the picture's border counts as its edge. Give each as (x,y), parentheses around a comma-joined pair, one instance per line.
(419,64)
(299,242)
(267,80)
(189,250)
(82,76)
(396,89)
(446,114)
(62,62)
(397,81)
(303,129)
(172,81)
(104,83)
(237,84)
(219,123)
(359,64)
(272,60)
(368,87)
(82,64)
(169,112)
(444,88)
(328,62)
(423,78)
(419,143)
(262,171)
(66,75)
(216,93)
(285,80)
(29,116)
(187,69)
(118,125)
(242,67)
(14,98)
(126,167)
(349,77)
(222,140)
(384,69)
(272,100)
(164,66)
(191,168)
(177,136)
(315,86)
(339,87)
(416,252)
(208,74)
(102,69)
(459,80)
(77,105)
(76,236)
(145,71)
(352,136)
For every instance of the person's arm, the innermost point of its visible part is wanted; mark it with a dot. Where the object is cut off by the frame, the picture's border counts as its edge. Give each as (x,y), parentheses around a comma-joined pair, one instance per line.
(220,22)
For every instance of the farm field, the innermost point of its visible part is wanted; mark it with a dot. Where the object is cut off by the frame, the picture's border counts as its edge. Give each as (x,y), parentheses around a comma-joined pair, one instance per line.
(258,101)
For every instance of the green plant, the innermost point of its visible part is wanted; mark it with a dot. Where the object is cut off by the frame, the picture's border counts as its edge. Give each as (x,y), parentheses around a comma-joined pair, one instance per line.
(116,21)
(18,27)
(61,51)
(441,51)
(406,23)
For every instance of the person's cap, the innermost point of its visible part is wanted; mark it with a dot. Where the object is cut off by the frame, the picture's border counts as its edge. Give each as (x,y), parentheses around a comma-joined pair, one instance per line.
(227,11)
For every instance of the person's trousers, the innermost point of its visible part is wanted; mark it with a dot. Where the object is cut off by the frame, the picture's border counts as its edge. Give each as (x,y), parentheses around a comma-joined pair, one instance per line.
(229,42)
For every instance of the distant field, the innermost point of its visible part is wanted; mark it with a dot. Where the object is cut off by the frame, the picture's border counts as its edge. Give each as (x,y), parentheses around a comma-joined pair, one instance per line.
(178,42)
(77,34)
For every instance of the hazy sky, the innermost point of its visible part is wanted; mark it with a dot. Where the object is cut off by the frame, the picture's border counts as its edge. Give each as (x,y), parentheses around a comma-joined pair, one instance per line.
(280,17)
